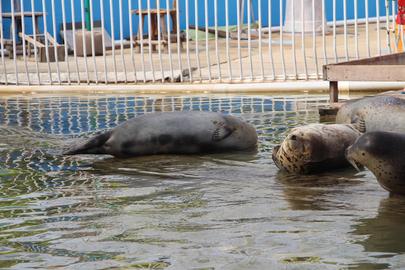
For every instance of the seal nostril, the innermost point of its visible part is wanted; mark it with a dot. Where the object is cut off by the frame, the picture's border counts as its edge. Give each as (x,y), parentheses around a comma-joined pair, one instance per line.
(293,137)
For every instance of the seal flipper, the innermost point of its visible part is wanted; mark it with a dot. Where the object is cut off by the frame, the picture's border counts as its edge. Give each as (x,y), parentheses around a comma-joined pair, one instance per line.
(222,132)
(362,126)
(359,123)
(91,146)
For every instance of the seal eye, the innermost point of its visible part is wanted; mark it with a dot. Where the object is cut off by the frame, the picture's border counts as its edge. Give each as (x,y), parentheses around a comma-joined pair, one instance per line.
(293,137)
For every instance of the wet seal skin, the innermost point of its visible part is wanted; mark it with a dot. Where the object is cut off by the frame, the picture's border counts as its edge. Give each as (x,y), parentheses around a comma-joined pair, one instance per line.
(378,113)
(172,133)
(383,153)
(314,148)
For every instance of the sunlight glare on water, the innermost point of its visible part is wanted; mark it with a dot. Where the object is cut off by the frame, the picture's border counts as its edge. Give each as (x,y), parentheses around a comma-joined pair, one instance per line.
(220,211)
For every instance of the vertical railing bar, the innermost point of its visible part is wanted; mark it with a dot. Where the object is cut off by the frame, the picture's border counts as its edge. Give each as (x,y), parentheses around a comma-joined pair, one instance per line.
(239,22)
(377,10)
(282,41)
(140,37)
(46,40)
(65,40)
(207,52)
(271,41)
(93,46)
(14,42)
(2,46)
(55,45)
(179,42)
(387,26)
(122,40)
(345,29)
(367,29)
(131,38)
(23,42)
(216,38)
(227,39)
(314,40)
(356,30)
(393,24)
(334,31)
(294,56)
(82,11)
(249,18)
(260,38)
(103,37)
(188,42)
(197,49)
(113,40)
(303,47)
(150,40)
(325,56)
(74,40)
(169,41)
(159,40)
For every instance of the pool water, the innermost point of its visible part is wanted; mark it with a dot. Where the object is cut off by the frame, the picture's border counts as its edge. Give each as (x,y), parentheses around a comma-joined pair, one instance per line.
(220,211)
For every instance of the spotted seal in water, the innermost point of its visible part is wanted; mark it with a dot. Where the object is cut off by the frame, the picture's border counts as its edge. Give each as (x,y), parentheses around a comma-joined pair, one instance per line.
(383,153)
(172,133)
(314,148)
(378,113)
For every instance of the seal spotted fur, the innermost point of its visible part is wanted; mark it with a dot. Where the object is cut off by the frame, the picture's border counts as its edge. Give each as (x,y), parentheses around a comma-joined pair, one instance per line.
(378,113)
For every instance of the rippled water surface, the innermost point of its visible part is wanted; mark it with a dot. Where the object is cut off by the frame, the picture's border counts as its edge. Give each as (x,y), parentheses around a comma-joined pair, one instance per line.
(222,211)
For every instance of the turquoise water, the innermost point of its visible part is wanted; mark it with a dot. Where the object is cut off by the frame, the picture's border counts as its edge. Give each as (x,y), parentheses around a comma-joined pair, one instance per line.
(222,211)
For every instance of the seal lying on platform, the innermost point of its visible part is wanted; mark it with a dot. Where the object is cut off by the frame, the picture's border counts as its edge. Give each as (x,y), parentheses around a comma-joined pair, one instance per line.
(379,113)
(383,153)
(314,148)
(172,133)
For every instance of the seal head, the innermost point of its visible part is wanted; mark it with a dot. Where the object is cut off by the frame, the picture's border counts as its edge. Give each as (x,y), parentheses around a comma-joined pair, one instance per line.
(383,153)
(314,148)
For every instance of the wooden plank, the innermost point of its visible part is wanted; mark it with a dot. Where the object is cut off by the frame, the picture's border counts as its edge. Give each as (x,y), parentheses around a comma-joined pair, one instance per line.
(51,39)
(364,73)
(17,14)
(31,40)
(390,59)
(221,33)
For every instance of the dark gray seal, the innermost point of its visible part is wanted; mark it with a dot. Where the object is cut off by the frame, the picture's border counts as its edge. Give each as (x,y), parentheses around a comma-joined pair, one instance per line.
(378,113)
(314,148)
(383,153)
(172,133)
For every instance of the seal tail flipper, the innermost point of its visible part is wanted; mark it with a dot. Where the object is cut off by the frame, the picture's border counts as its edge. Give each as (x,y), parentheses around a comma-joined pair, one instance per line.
(91,146)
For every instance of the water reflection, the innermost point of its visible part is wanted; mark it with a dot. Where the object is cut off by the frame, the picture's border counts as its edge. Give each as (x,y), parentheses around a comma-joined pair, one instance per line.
(312,192)
(383,236)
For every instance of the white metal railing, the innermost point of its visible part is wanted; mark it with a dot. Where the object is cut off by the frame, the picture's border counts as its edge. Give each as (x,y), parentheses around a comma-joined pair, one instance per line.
(138,41)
